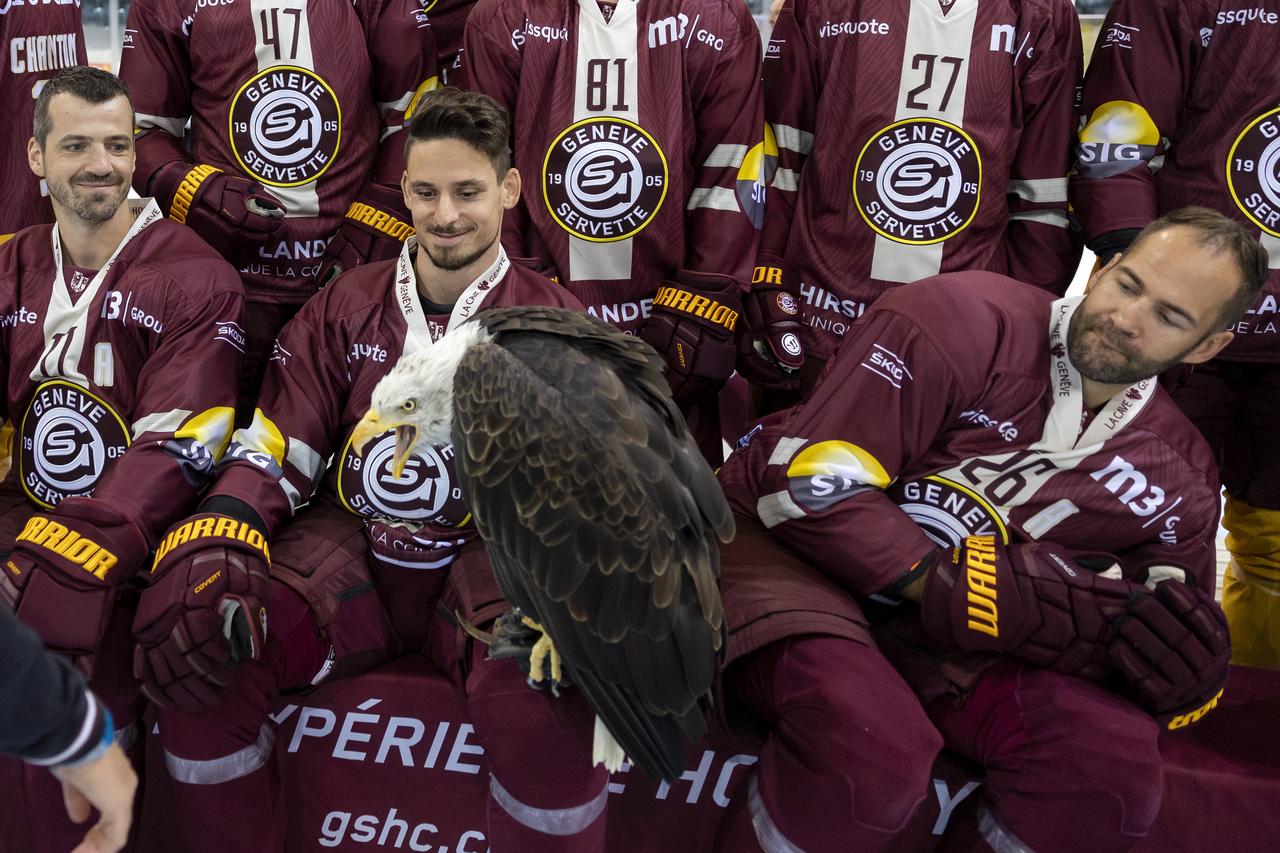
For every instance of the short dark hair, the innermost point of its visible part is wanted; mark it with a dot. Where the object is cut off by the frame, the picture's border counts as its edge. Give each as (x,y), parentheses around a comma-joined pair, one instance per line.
(86,83)
(1220,234)
(470,117)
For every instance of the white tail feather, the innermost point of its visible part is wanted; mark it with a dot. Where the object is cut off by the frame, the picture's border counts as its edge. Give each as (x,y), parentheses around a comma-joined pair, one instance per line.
(605,750)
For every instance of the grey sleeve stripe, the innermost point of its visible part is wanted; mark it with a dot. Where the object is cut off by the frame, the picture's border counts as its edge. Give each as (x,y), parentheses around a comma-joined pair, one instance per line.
(304,457)
(174,126)
(215,771)
(786,180)
(793,138)
(560,822)
(726,155)
(1041,190)
(715,198)
(1056,218)
(776,508)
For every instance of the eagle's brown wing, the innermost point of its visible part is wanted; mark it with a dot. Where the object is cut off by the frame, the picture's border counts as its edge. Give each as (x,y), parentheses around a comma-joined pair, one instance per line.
(600,518)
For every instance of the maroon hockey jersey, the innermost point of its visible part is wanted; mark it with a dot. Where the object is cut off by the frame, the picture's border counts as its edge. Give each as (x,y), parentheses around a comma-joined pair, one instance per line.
(1182,101)
(38,39)
(916,137)
(319,383)
(639,140)
(448,18)
(304,96)
(953,409)
(120,383)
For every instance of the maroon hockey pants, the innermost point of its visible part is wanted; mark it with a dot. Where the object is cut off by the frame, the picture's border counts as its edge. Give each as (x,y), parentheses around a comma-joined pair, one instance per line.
(228,789)
(1069,766)
(849,755)
(544,794)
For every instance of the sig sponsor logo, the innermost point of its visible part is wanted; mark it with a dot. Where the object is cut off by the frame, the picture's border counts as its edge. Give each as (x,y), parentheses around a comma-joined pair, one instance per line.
(1143,498)
(873,27)
(285,126)
(888,365)
(537,32)
(918,181)
(827,472)
(1241,17)
(1253,172)
(1006,429)
(604,179)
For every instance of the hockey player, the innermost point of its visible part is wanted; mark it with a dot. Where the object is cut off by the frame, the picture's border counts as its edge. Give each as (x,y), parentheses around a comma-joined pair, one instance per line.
(916,137)
(37,40)
(974,411)
(1181,108)
(366,521)
(293,160)
(121,340)
(639,127)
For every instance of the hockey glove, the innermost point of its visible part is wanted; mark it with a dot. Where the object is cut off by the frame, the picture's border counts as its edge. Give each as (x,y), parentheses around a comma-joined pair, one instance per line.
(692,326)
(229,212)
(1173,646)
(1037,601)
(769,349)
(374,229)
(62,574)
(203,611)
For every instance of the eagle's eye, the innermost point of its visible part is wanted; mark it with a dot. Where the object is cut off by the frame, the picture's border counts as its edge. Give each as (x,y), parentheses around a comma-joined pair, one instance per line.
(408,406)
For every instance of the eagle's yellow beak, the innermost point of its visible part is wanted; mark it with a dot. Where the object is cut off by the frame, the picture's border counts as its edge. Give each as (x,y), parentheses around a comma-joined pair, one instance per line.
(372,425)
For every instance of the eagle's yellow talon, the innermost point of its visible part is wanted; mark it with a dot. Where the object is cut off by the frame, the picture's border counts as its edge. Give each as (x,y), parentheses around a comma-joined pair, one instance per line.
(542,650)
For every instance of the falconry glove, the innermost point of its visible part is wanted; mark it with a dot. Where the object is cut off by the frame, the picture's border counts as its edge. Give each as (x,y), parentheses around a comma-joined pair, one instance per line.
(769,348)
(1036,601)
(1173,646)
(229,212)
(204,610)
(374,229)
(61,576)
(692,326)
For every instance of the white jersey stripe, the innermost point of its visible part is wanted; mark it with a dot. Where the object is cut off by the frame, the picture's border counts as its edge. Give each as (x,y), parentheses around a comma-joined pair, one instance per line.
(1040,190)
(714,198)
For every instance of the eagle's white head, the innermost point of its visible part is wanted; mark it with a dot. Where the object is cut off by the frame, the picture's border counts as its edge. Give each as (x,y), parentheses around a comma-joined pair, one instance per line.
(416,398)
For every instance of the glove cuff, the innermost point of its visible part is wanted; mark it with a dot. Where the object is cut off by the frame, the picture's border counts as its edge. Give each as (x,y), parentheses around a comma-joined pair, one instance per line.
(187,191)
(369,217)
(205,530)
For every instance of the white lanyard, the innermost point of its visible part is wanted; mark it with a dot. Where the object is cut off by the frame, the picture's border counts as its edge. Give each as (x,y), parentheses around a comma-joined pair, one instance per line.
(418,335)
(66,317)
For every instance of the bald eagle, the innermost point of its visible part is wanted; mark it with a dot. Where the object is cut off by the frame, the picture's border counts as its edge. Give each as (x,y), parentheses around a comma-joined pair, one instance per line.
(598,513)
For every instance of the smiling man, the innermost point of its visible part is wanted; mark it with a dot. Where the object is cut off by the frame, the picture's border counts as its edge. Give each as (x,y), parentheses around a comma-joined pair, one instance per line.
(406,531)
(120,383)
(987,451)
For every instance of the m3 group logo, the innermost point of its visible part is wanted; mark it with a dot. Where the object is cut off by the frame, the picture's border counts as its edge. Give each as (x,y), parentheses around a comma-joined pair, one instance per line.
(604,179)
(918,181)
(285,126)
(1253,172)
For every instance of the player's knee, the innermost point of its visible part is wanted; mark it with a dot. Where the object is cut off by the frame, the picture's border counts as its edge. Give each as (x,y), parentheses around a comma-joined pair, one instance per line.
(1093,741)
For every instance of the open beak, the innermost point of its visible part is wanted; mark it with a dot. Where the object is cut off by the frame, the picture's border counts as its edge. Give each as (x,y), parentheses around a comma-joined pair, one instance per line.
(372,425)
(406,434)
